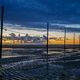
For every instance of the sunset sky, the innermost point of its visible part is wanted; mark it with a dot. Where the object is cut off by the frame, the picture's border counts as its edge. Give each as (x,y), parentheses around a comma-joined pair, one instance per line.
(31,16)
(35,30)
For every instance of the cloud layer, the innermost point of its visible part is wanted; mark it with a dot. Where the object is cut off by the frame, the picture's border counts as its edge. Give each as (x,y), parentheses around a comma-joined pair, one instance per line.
(35,13)
(42,27)
(61,11)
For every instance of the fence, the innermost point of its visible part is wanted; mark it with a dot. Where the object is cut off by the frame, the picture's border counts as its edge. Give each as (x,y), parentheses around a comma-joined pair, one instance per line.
(39,54)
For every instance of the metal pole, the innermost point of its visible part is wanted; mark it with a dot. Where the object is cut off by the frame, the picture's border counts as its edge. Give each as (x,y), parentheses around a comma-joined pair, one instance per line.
(79,42)
(73,41)
(2,12)
(64,41)
(47,49)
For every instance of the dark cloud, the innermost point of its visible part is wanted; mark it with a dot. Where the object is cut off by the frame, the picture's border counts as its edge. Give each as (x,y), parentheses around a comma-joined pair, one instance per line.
(57,11)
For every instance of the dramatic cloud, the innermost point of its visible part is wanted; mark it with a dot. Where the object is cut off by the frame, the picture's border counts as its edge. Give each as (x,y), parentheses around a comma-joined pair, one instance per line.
(42,10)
(30,12)
(42,27)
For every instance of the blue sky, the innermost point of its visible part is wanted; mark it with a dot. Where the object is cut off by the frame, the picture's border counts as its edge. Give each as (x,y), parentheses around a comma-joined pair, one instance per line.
(29,12)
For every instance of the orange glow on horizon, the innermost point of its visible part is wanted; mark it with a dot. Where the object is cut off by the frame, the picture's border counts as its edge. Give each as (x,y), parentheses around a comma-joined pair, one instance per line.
(62,41)
(50,41)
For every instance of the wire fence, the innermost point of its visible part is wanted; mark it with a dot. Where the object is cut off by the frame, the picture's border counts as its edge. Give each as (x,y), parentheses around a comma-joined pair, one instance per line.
(40,57)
